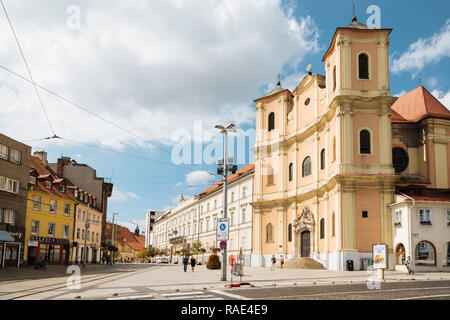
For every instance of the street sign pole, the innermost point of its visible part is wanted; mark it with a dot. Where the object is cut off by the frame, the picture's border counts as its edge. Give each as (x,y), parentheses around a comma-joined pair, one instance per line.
(225,173)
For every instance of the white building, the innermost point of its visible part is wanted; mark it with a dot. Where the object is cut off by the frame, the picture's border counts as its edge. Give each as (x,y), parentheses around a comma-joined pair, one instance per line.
(196,219)
(421,229)
(150,219)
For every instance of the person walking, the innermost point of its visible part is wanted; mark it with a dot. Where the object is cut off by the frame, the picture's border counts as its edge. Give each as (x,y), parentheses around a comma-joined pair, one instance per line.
(274,260)
(409,265)
(185,263)
(281,261)
(193,263)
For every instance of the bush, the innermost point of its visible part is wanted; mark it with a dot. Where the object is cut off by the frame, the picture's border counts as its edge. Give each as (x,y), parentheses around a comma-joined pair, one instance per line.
(213,262)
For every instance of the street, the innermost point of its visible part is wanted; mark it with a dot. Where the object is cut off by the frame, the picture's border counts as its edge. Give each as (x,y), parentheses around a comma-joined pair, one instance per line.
(169,282)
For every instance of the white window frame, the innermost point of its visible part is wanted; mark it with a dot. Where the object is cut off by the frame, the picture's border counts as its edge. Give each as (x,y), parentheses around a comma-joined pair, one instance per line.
(7,214)
(398,217)
(55,203)
(4,155)
(430,215)
(243,212)
(54,229)
(14,159)
(15,185)
(67,205)
(37,200)
(64,235)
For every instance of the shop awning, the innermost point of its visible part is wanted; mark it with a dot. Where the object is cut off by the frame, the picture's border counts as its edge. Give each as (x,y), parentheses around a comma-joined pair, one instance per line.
(5,236)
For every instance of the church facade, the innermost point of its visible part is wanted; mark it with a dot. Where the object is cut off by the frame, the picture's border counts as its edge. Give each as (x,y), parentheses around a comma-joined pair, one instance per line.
(328,164)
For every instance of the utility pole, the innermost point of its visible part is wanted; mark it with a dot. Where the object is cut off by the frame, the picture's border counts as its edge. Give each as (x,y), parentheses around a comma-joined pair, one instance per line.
(113,236)
(224,171)
(86,227)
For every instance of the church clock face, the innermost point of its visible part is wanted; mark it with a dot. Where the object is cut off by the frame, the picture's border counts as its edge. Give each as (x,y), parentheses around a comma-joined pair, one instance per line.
(400,159)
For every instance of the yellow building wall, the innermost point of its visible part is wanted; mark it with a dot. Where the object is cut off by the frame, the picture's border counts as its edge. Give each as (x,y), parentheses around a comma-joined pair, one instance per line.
(45,217)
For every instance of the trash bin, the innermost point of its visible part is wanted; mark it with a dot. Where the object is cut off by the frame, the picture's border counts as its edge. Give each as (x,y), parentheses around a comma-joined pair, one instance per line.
(349,265)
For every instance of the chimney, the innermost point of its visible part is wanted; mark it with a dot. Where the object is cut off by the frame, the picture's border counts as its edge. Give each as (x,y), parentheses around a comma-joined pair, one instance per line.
(43,156)
(60,165)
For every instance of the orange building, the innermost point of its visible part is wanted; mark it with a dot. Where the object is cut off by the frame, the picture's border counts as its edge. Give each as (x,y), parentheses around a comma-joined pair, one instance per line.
(327,162)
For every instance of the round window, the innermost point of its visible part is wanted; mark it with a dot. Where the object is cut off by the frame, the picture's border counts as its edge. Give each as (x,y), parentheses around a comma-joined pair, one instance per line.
(307,101)
(400,159)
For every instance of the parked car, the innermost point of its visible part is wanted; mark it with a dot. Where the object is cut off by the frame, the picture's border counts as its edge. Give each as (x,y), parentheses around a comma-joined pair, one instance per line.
(162,260)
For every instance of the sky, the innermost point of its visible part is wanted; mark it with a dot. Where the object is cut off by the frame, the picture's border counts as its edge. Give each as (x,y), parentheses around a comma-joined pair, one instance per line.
(134,89)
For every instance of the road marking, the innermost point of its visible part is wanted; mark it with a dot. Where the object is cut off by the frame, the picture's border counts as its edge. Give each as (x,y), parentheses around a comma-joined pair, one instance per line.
(422,297)
(180,293)
(230,295)
(190,297)
(132,297)
(352,292)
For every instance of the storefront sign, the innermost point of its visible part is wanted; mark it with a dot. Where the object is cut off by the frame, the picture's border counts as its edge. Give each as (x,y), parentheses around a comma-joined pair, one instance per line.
(17,233)
(50,240)
(32,243)
(379,252)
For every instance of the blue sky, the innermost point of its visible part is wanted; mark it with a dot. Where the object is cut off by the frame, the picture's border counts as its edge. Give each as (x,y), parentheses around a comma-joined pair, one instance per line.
(157,69)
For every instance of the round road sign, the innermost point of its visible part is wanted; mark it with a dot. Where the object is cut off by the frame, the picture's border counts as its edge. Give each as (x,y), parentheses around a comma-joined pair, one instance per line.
(232,260)
(223,245)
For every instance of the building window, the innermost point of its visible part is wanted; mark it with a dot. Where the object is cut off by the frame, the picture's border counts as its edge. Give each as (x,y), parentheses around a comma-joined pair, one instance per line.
(92,236)
(333,225)
(36,203)
(51,229)
(322,228)
(306,167)
(400,159)
(62,189)
(232,218)
(334,78)
(66,209)
(425,254)
(96,237)
(365,214)
(48,184)
(271,124)
(363,64)
(65,231)
(290,232)
(207,209)
(87,235)
(78,233)
(364,142)
(3,152)
(12,185)
(398,218)
(215,204)
(269,232)
(9,216)
(270,176)
(35,227)
(82,234)
(244,192)
(425,216)
(291,171)
(243,215)
(15,156)
(2,183)
(322,159)
(53,205)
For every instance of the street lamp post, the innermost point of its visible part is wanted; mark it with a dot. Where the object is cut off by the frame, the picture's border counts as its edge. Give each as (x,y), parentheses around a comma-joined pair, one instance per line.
(224,131)
(86,227)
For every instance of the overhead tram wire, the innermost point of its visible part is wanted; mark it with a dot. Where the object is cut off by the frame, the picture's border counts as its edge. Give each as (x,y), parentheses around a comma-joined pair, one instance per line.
(88,111)
(28,69)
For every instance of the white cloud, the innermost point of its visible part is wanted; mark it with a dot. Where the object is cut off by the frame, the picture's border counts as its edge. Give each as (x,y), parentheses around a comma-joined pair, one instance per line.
(443,97)
(178,185)
(400,93)
(122,196)
(150,66)
(199,177)
(424,51)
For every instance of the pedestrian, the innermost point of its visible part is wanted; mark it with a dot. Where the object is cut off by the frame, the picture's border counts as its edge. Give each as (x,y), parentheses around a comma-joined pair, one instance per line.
(193,263)
(103,258)
(185,263)
(409,265)
(274,260)
(281,261)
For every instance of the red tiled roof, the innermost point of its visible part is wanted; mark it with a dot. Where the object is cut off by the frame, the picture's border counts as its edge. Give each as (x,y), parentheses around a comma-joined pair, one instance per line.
(244,171)
(125,236)
(427,194)
(45,174)
(418,104)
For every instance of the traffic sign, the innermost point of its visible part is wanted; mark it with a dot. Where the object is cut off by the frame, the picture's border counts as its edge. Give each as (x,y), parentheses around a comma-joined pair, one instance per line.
(223,245)
(232,261)
(222,229)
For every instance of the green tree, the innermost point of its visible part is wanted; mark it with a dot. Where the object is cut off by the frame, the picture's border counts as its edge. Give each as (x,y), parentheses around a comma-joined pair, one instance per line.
(196,248)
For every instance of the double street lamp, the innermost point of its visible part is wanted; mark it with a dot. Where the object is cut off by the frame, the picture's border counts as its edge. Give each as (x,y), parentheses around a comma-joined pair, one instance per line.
(223,170)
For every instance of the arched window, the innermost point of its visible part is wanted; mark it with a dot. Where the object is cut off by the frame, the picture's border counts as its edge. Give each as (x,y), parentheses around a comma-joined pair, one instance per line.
(291,171)
(364,142)
(290,232)
(271,124)
(363,64)
(322,228)
(306,167)
(400,254)
(333,225)
(334,77)
(322,159)
(269,231)
(425,254)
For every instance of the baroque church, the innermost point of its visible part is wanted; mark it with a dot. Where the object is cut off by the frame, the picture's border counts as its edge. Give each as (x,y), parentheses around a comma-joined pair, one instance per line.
(339,157)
